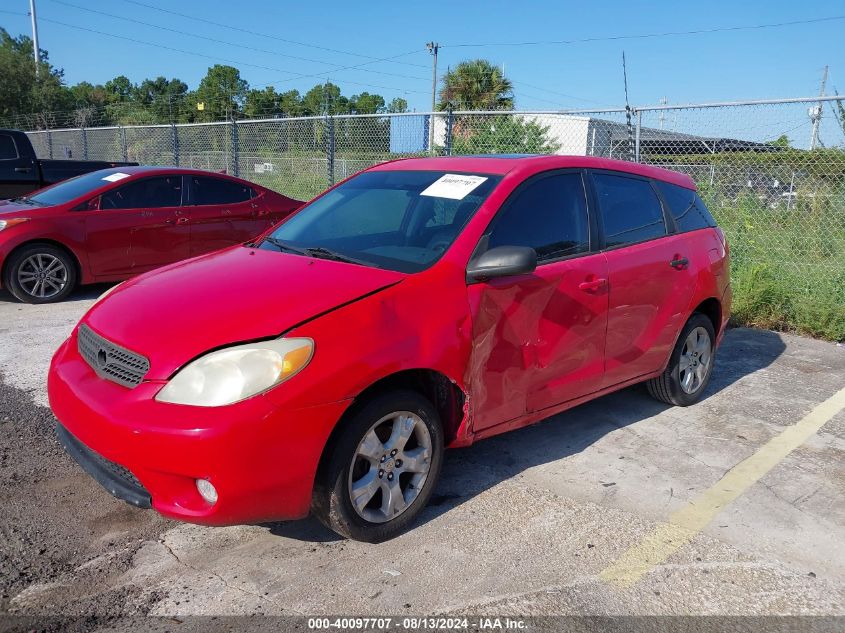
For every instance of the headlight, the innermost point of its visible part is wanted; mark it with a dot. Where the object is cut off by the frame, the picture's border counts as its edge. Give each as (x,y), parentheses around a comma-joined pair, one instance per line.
(4,224)
(236,373)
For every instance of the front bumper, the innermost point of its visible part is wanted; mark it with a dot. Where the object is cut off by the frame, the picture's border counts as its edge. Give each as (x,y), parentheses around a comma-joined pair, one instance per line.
(260,456)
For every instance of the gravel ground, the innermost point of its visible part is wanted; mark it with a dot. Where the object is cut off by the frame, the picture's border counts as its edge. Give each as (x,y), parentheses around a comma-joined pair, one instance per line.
(522,524)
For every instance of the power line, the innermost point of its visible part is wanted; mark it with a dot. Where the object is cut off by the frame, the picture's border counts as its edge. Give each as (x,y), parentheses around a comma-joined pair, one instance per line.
(265,35)
(228,43)
(232,61)
(610,38)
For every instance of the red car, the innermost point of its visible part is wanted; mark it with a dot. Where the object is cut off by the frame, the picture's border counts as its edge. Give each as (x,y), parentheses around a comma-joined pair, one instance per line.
(112,224)
(421,304)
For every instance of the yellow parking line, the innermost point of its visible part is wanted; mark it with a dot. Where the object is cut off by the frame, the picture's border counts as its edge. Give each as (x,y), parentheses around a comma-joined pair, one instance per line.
(684,524)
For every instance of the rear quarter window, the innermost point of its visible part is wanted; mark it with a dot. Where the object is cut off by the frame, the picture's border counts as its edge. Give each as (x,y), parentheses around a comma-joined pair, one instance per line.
(686,207)
(630,210)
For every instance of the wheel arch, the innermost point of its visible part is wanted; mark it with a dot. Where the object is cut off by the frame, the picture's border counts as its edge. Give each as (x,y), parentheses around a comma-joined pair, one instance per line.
(446,396)
(712,309)
(77,263)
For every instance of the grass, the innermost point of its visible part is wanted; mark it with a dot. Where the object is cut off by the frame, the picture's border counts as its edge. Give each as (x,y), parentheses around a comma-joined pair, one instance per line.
(787,265)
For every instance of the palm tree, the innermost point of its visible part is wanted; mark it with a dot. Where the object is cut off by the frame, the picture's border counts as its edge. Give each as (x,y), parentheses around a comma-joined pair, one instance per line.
(476,85)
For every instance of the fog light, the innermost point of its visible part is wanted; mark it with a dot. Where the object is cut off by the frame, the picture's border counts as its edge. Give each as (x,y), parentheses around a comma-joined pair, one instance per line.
(207,491)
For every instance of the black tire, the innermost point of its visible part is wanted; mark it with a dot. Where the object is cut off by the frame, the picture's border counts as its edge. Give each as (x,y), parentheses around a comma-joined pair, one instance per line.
(667,387)
(332,503)
(21,262)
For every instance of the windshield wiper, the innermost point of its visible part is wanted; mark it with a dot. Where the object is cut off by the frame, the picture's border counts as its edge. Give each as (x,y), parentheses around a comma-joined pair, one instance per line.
(325,253)
(284,246)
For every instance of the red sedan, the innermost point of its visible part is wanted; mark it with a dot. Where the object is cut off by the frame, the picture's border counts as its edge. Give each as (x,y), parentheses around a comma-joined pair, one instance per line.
(421,304)
(112,224)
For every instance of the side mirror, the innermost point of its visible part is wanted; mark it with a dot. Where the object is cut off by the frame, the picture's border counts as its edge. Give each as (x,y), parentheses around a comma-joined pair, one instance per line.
(502,261)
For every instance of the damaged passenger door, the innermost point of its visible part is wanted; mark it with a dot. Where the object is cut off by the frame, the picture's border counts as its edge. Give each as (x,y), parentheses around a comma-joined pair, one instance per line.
(539,338)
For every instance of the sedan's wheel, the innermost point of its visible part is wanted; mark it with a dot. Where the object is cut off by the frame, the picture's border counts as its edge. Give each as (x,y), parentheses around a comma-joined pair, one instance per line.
(40,273)
(381,468)
(690,365)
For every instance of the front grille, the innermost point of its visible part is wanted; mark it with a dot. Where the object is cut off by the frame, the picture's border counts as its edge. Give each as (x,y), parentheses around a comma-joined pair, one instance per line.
(111,361)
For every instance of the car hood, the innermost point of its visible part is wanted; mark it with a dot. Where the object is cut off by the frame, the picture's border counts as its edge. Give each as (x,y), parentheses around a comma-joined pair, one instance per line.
(241,294)
(18,209)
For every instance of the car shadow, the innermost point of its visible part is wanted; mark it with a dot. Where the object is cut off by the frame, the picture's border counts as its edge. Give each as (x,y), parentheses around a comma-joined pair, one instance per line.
(500,458)
(82,293)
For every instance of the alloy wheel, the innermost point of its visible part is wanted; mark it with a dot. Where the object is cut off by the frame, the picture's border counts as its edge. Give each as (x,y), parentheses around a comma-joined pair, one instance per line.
(695,360)
(390,467)
(42,275)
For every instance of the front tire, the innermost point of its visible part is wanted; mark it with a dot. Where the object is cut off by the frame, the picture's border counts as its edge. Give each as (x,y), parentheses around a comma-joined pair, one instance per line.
(40,273)
(381,468)
(690,366)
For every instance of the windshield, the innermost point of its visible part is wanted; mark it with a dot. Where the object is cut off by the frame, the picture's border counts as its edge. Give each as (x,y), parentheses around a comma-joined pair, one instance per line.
(76,187)
(399,220)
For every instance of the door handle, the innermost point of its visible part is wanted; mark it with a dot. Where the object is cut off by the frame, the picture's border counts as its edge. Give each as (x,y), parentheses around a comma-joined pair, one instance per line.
(182,221)
(592,284)
(679,263)
(23,170)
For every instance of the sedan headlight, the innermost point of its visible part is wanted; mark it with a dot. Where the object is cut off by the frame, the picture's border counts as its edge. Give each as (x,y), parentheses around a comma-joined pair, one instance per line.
(236,373)
(5,224)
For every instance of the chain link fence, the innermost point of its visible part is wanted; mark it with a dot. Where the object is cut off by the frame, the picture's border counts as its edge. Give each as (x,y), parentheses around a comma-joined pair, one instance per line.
(772,172)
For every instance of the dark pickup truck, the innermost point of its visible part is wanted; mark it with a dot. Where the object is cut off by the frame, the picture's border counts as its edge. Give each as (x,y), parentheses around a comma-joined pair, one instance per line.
(21,172)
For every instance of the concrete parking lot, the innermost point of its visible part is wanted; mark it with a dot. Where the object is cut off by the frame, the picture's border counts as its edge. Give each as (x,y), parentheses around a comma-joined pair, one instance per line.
(621,506)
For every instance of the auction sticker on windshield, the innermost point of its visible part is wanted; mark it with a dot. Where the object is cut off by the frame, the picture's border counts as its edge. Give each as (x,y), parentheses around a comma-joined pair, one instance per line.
(116,176)
(453,186)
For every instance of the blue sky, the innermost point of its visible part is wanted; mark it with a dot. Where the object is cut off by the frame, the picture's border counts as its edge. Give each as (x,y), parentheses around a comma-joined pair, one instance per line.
(771,62)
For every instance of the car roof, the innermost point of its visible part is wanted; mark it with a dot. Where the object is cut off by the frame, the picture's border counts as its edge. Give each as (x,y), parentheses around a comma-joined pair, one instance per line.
(141,170)
(501,164)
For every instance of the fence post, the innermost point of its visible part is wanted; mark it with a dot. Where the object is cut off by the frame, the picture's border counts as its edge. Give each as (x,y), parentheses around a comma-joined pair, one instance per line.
(450,121)
(175,143)
(49,144)
(330,148)
(235,148)
(637,138)
(123,144)
(84,143)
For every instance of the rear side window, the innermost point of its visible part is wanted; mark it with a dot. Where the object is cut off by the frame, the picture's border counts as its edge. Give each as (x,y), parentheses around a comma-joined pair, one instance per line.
(630,210)
(218,191)
(549,215)
(686,206)
(150,193)
(8,150)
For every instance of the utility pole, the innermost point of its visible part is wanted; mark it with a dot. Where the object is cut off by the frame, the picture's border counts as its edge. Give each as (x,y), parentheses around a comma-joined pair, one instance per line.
(432,47)
(816,114)
(661,118)
(35,50)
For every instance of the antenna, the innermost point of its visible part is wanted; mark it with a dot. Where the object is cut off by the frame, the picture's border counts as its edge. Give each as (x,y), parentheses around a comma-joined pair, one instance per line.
(628,110)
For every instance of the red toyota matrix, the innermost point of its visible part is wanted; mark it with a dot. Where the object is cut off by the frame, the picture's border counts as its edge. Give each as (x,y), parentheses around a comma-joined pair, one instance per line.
(422,304)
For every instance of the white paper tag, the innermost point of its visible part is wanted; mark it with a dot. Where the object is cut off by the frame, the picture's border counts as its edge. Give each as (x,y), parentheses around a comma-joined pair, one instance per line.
(116,176)
(453,186)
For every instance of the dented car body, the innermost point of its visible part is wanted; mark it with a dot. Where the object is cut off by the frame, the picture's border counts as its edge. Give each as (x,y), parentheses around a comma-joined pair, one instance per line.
(468,297)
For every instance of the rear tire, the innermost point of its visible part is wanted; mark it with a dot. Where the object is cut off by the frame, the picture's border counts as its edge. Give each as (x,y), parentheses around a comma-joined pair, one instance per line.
(40,273)
(690,366)
(380,470)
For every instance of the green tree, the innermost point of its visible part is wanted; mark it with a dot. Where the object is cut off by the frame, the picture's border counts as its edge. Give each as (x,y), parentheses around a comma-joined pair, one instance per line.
(503,134)
(324,99)
(397,105)
(476,85)
(20,91)
(222,93)
(365,103)
(290,103)
(781,141)
(262,103)
(162,98)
